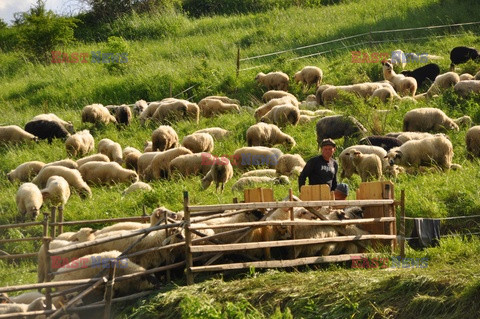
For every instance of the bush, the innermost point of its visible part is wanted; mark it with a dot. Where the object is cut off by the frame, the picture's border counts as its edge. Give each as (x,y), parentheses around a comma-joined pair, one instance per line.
(118,48)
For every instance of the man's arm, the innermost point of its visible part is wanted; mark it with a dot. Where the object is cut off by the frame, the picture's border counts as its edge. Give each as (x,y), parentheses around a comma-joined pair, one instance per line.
(304,174)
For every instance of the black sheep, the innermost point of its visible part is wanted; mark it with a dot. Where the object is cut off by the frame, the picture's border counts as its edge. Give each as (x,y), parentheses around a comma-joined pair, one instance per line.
(460,55)
(429,71)
(337,126)
(46,129)
(385,142)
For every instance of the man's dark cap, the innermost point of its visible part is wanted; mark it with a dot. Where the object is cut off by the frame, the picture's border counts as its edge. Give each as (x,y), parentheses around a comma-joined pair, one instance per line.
(328,141)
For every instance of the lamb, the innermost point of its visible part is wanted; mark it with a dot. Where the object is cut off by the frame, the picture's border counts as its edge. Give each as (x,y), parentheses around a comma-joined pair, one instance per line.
(72,176)
(107,173)
(46,130)
(139,107)
(135,187)
(29,201)
(161,162)
(68,163)
(337,126)
(15,134)
(97,113)
(217,133)
(123,114)
(80,143)
(462,54)
(211,107)
(220,173)
(281,115)
(437,150)
(368,166)
(95,157)
(171,111)
(345,161)
(25,171)
(472,139)
(275,94)
(269,172)
(401,83)
(429,71)
(273,80)
(427,119)
(265,108)
(289,164)
(112,149)
(53,117)
(263,134)
(385,142)
(251,181)
(256,155)
(164,138)
(192,164)
(309,75)
(464,88)
(57,191)
(198,142)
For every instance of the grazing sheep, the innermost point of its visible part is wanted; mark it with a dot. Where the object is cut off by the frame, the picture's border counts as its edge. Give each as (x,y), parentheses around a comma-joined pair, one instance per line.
(127,150)
(144,162)
(273,80)
(289,164)
(251,181)
(224,99)
(150,110)
(275,94)
(171,111)
(198,142)
(193,112)
(80,143)
(385,94)
(437,150)
(463,121)
(139,106)
(211,107)
(25,172)
(57,191)
(112,149)
(53,117)
(466,76)
(15,134)
(337,126)
(328,93)
(93,158)
(256,156)
(385,142)
(217,133)
(263,134)
(148,146)
(72,176)
(305,119)
(464,88)
(123,114)
(161,162)
(427,119)
(107,173)
(281,115)
(462,54)
(192,164)
(407,136)
(441,83)
(265,108)
(401,83)
(164,138)
(269,172)
(220,173)
(97,113)
(135,187)
(68,163)
(368,166)
(345,161)
(472,139)
(429,71)
(47,130)
(319,93)
(309,75)
(29,201)
(131,160)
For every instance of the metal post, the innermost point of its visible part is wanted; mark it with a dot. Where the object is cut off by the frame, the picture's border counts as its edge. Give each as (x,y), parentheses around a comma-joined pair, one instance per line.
(188,240)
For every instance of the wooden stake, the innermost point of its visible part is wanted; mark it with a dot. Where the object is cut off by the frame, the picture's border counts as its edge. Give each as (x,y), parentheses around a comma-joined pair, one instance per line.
(188,240)
(402,224)
(60,219)
(53,220)
(109,289)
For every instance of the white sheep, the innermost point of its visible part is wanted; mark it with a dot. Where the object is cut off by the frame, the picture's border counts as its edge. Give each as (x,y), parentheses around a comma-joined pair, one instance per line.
(210,107)
(398,57)
(437,150)
(198,142)
(80,143)
(127,150)
(401,83)
(171,111)
(305,119)
(161,162)
(93,158)
(135,187)
(345,161)
(385,94)
(407,136)
(368,166)
(464,88)
(112,149)
(139,106)
(472,139)
(97,113)
(107,173)
(251,181)
(220,173)
(68,163)
(282,115)
(38,304)
(275,94)
(149,111)
(273,80)
(164,138)
(192,164)
(466,76)
(290,164)
(15,134)
(53,117)
(256,156)
(29,201)
(143,162)
(72,176)
(264,134)
(148,146)
(82,235)
(441,83)
(131,160)
(224,99)
(25,171)
(427,119)
(309,75)
(57,191)
(217,133)
(265,108)
(328,93)
(270,172)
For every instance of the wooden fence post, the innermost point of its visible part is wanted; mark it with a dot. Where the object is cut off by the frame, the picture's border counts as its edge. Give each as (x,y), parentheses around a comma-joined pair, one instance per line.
(188,240)
(45,224)
(402,224)
(48,270)
(53,219)
(238,61)
(292,217)
(60,219)
(109,289)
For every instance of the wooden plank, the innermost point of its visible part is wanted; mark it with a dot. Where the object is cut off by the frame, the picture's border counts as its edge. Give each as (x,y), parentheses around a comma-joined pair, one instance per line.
(315,192)
(258,195)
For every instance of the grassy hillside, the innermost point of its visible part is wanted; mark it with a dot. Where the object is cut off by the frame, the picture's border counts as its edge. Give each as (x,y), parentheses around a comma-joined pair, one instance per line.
(177,52)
